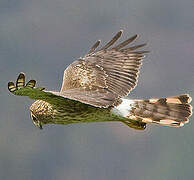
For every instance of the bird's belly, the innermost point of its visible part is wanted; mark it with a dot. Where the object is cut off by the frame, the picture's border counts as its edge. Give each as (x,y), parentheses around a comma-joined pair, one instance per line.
(84,114)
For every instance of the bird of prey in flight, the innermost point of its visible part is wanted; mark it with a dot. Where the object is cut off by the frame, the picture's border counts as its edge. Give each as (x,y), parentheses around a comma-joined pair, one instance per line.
(95,89)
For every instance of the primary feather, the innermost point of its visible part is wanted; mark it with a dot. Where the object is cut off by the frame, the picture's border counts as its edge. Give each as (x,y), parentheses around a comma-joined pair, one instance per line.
(94,88)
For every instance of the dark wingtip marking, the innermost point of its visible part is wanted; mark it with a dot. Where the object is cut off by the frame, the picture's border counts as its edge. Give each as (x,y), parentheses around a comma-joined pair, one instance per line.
(31,84)
(121,30)
(113,40)
(11,87)
(126,42)
(93,48)
(20,82)
(184,98)
(162,101)
(118,35)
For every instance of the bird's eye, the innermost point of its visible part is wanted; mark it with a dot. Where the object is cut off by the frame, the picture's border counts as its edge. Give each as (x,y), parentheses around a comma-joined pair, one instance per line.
(36,121)
(34,118)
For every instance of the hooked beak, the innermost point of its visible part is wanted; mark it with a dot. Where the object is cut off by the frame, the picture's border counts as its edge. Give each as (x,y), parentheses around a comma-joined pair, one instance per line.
(35,121)
(38,124)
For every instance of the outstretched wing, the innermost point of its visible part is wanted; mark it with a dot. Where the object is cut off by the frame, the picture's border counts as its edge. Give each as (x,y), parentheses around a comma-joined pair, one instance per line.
(101,77)
(28,89)
(98,97)
(95,98)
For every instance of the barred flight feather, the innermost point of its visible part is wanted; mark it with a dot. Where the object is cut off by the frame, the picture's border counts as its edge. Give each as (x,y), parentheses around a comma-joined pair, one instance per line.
(171,111)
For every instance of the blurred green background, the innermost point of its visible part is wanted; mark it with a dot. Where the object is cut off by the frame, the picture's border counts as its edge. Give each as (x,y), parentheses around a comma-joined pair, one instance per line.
(41,37)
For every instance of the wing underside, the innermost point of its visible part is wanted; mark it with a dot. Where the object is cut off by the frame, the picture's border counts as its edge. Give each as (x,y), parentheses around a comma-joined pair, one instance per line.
(108,73)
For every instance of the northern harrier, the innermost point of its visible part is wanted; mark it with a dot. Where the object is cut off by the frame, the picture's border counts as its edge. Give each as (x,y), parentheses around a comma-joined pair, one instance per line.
(95,87)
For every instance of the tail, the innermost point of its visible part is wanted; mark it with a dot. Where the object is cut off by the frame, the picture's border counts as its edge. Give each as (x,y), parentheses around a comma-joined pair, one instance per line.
(171,111)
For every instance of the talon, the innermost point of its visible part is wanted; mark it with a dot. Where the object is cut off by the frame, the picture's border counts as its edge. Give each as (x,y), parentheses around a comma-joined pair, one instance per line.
(31,84)
(135,125)
(11,87)
(20,82)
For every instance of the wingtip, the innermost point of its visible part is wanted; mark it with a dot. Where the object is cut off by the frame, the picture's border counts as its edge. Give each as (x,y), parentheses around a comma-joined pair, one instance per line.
(118,35)
(10,83)
(98,42)
(189,98)
(21,74)
(11,86)
(121,31)
(20,82)
(31,83)
(136,36)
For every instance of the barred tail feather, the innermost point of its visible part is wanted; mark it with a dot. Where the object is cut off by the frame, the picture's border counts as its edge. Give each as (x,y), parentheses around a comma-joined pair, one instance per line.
(171,111)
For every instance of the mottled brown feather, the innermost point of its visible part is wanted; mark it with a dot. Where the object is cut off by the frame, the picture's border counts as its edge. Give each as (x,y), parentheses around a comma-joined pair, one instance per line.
(170,111)
(93,48)
(113,40)
(112,70)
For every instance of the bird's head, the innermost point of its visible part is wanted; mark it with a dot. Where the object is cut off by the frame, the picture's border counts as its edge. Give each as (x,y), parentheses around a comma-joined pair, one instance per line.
(41,113)
(36,121)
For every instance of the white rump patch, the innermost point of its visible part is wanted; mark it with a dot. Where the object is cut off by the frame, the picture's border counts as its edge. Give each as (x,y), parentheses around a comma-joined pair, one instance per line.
(124,108)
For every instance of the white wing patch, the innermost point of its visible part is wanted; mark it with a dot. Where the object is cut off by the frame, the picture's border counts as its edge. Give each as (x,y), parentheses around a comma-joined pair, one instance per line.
(124,108)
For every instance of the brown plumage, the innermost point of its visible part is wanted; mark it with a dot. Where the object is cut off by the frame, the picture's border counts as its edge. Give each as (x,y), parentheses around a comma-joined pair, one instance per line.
(171,111)
(108,72)
(94,87)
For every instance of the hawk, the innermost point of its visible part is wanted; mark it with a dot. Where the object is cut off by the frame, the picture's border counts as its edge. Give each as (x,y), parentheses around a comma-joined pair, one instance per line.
(95,89)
